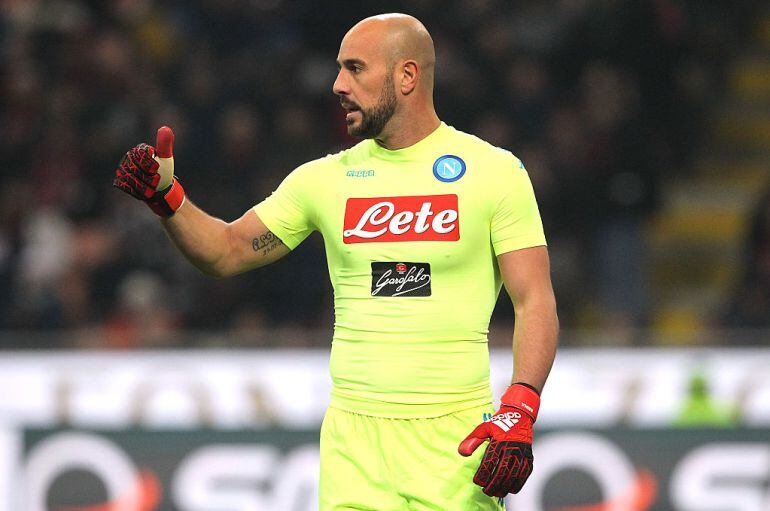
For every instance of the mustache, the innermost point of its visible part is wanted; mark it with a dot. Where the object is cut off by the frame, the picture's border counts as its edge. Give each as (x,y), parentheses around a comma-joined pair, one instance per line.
(349,104)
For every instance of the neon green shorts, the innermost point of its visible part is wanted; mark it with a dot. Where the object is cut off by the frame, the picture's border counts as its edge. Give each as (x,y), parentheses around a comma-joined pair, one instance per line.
(380,464)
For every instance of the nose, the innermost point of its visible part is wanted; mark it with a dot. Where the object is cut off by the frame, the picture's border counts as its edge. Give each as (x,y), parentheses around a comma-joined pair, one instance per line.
(340,86)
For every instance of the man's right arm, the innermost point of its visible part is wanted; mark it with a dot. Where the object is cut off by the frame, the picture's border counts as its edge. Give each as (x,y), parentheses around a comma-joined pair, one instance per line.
(215,247)
(219,248)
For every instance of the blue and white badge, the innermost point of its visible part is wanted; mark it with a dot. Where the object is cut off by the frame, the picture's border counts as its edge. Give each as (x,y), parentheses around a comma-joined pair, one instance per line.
(448,168)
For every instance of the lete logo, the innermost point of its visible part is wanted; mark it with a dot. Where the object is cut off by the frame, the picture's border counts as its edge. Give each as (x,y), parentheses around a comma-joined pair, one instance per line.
(410,218)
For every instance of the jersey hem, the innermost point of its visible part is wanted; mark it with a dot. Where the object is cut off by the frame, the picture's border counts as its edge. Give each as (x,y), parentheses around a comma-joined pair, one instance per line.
(502,248)
(429,411)
(274,227)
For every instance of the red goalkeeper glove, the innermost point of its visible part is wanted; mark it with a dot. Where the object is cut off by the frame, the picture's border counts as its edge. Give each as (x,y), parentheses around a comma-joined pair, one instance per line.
(507,462)
(147,174)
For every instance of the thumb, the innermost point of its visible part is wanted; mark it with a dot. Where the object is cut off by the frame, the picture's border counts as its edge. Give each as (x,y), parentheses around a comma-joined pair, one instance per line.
(164,152)
(164,146)
(472,442)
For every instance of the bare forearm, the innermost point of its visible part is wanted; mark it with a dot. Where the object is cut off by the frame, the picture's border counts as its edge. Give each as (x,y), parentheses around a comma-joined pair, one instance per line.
(202,238)
(535,339)
(219,248)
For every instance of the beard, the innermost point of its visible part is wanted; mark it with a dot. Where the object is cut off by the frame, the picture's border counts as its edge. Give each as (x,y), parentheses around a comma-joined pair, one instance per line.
(374,119)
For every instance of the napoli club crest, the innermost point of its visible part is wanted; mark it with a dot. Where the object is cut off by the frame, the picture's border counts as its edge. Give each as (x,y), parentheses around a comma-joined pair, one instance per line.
(448,168)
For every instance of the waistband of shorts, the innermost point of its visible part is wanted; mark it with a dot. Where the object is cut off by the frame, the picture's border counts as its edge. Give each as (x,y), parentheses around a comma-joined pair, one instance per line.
(407,406)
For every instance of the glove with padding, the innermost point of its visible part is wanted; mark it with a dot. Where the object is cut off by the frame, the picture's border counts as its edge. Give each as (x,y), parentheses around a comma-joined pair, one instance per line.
(147,174)
(507,462)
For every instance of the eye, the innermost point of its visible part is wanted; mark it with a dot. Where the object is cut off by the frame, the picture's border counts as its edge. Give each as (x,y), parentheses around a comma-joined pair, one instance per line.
(355,68)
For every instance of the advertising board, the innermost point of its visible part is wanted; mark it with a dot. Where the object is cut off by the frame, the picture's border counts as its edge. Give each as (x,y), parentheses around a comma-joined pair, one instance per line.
(277,470)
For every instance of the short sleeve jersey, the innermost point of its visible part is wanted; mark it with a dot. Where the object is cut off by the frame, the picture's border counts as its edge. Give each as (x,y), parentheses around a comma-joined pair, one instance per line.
(411,239)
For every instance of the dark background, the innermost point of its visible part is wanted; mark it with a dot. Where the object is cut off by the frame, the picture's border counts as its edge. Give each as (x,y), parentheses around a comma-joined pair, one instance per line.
(640,122)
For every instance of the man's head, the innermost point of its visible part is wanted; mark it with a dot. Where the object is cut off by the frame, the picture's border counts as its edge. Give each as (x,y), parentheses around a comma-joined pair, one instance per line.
(386,67)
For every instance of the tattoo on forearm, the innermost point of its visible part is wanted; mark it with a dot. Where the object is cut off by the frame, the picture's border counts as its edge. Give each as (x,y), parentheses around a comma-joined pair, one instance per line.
(266,243)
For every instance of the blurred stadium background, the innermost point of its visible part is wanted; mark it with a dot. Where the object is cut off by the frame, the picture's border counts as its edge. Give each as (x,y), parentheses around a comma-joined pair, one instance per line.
(130,382)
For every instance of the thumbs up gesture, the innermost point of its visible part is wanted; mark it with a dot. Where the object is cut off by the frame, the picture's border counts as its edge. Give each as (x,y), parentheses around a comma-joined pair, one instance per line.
(147,173)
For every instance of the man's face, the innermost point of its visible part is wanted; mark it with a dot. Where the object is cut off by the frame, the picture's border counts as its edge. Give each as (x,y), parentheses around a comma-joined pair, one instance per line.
(365,86)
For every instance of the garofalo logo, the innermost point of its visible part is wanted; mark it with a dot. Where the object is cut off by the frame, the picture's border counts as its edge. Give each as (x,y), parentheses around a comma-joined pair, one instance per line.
(407,218)
(401,279)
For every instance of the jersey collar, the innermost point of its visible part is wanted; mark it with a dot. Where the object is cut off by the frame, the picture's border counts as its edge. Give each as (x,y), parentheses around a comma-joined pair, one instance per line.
(425,147)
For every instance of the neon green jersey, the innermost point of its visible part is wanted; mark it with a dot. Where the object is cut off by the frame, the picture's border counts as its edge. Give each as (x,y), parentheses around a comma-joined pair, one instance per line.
(411,237)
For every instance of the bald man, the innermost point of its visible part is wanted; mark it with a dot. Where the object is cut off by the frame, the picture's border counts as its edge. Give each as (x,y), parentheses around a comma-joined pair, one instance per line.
(422,225)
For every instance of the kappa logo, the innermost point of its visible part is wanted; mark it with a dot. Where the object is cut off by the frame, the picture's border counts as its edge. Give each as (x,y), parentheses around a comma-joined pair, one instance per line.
(408,218)
(360,173)
(448,168)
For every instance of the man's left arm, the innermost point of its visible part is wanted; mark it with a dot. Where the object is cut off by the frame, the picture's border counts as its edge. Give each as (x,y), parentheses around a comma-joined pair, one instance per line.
(527,277)
(507,461)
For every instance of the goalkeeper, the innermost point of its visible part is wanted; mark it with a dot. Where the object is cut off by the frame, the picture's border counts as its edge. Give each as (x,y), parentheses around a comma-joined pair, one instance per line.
(422,225)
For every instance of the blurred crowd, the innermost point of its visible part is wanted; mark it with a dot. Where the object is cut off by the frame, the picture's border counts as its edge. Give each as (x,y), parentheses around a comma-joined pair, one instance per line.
(601,99)
(750,305)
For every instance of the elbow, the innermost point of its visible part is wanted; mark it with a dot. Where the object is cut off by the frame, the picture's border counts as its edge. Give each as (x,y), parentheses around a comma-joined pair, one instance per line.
(543,308)
(212,271)
(222,266)
(554,313)
(218,270)
(556,326)
(217,274)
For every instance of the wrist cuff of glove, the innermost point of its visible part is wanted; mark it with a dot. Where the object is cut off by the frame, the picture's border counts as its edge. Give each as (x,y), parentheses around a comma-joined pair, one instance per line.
(166,203)
(522,397)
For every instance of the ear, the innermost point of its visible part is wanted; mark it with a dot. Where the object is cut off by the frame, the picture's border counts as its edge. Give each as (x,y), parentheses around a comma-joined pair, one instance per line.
(409,75)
